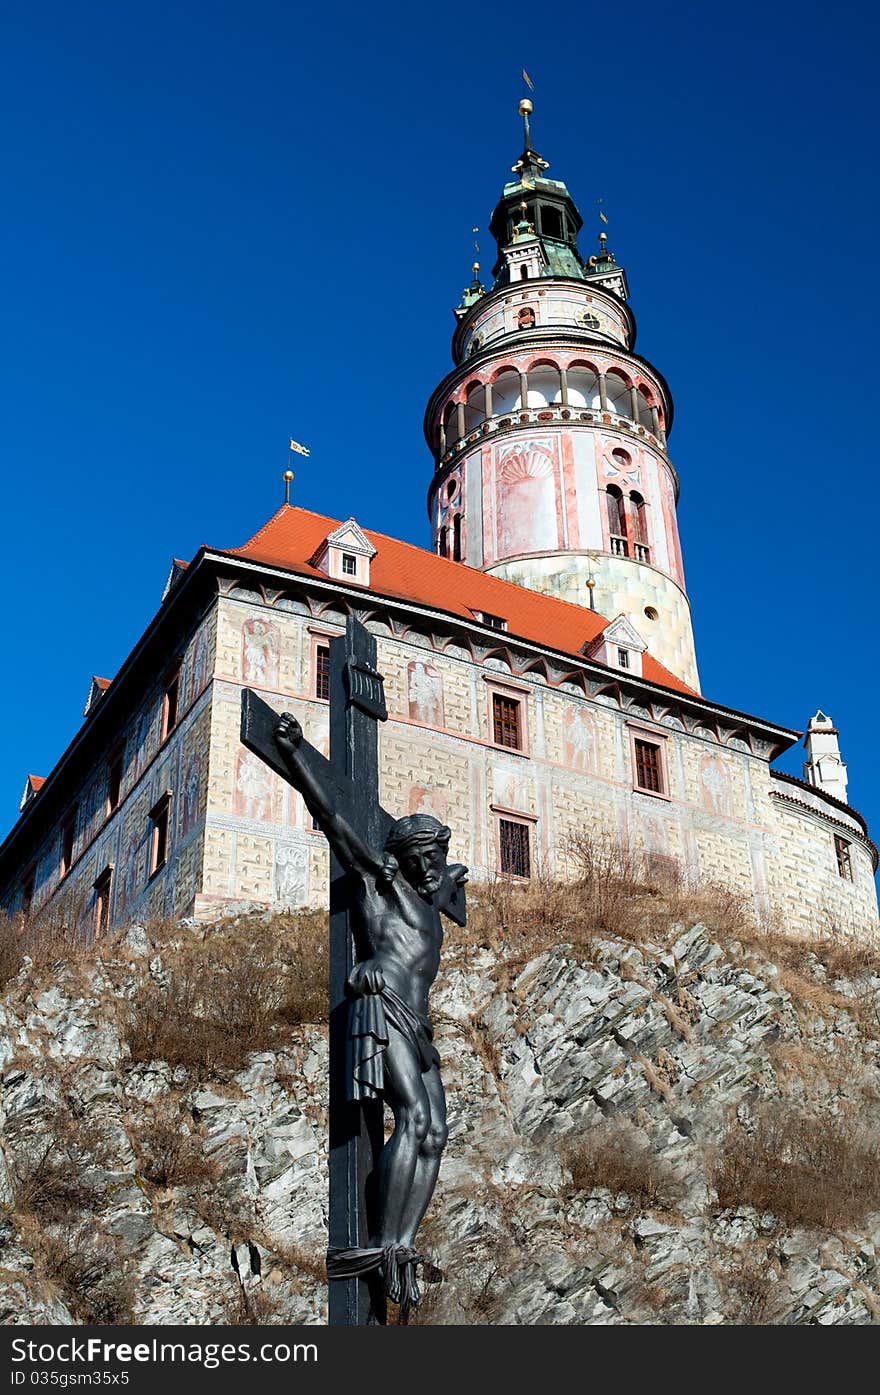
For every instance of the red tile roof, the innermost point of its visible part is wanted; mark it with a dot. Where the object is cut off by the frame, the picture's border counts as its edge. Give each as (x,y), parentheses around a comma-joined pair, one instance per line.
(292,536)
(103,683)
(36,782)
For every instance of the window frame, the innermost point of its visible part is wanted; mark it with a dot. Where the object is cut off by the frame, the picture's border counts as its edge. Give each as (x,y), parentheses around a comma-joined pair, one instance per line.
(647,736)
(115,759)
(319,639)
(843,856)
(171,712)
(102,887)
(68,841)
(160,833)
(510,692)
(348,564)
(515,818)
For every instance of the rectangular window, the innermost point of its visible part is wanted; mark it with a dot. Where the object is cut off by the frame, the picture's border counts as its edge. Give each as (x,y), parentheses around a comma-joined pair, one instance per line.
(28,887)
(159,816)
(68,833)
(506,724)
(844,861)
(102,902)
(349,564)
(649,767)
(514,848)
(114,779)
(170,703)
(495,622)
(623,658)
(322,672)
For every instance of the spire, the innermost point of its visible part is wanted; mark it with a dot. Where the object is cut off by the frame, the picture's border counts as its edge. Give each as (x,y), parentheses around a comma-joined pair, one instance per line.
(530,164)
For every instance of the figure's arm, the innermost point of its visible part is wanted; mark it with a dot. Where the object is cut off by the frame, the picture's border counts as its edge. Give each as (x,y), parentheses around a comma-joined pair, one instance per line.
(352,852)
(451,898)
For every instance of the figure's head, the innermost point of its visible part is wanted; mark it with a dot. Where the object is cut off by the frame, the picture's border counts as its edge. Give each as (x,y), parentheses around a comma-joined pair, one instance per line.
(418,845)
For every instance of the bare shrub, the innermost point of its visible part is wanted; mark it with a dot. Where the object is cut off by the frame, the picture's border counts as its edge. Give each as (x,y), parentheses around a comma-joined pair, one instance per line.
(254,1308)
(616,1157)
(61,1173)
(751,1284)
(805,1169)
(11,949)
(232,992)
(610,879)
(168,1153)
(86,1266)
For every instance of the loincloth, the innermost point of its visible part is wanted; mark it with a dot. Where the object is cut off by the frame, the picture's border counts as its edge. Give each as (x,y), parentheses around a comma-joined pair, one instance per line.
(370,1017)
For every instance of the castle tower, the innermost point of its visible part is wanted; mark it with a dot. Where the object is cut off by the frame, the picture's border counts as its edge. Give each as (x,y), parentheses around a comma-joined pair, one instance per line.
(824,766)
(550,433)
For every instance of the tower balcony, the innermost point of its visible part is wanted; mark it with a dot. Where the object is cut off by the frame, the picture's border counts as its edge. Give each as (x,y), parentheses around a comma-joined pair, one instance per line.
(554,413)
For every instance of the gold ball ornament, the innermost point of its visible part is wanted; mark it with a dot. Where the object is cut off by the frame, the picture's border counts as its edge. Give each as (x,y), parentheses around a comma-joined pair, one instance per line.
(288,476)
(525,107)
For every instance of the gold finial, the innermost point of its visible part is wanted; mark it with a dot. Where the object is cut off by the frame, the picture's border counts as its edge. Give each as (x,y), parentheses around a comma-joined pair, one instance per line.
(603,238)
(288,481)
(526,107)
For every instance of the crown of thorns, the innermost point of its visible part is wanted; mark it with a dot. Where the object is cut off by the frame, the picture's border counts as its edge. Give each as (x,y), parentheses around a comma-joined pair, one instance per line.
(416,828)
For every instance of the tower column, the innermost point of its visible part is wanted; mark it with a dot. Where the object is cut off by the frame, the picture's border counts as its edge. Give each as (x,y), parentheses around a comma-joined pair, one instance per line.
(563,384)
(603,393)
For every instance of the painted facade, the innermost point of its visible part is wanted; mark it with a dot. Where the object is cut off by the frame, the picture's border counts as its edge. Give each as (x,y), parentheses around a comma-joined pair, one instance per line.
(555,589)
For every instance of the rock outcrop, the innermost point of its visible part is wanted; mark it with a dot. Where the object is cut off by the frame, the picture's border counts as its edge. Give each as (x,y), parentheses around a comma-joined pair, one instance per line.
(621,1120)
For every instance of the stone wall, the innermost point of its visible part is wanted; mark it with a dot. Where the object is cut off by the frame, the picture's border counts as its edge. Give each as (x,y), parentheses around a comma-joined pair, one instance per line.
(723,818)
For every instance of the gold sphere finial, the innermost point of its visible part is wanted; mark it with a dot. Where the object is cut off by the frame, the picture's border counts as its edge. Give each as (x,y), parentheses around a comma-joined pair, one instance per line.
(288,476)
(603,237)
(526,107)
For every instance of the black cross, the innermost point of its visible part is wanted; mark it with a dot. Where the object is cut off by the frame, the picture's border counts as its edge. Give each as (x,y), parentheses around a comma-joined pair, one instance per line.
(351,778)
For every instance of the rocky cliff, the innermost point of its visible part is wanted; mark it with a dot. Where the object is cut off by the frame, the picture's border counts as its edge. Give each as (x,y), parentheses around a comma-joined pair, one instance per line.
(662,1120)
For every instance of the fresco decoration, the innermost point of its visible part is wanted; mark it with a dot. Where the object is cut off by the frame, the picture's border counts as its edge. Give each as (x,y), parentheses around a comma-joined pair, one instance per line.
(427,799)
(255,789)
(526,497)
(580,746)
(715,785)
(189,816)
(260,653)
(424,685)
(291,876)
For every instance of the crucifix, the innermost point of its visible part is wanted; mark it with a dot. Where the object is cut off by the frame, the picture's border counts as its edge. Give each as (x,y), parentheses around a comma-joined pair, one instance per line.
(389,883)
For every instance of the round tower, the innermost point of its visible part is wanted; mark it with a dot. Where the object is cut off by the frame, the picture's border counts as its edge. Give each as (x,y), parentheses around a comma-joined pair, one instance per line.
(550,434)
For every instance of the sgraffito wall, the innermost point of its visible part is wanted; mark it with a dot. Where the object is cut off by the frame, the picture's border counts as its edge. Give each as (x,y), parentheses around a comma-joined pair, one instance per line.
(718,820)
(119,840)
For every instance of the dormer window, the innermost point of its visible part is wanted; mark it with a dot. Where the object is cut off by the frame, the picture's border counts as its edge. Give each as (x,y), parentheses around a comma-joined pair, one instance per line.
(495,622)
(346,553)
(619,646)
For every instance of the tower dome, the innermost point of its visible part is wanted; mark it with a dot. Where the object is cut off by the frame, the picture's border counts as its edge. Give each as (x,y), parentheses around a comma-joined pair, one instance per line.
(549,436)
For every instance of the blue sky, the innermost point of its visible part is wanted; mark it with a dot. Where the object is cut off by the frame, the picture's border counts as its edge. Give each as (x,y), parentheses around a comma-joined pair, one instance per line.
(228,223)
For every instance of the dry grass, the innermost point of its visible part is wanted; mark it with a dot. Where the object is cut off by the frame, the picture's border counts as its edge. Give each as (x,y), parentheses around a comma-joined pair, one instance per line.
(44,943)
(168,1153)
(232,992)
(60,1173)
(616,1157)
(85,1266)
(805,1169)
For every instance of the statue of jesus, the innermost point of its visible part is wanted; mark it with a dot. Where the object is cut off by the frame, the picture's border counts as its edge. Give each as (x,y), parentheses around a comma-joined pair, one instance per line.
(399,892)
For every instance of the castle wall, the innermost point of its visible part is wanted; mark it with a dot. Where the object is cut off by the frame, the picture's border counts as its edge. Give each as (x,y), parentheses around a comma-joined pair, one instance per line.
(120,841)
(720,819)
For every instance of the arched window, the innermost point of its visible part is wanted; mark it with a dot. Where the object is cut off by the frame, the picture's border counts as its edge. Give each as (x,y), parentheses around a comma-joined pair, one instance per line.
(618,395)
(505,392)
(526,318)
(644,406)
(616,521)
(543,385)
(639,527)
(450,423)
(583,386)
(442,544)
(475,407)
(456,538)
